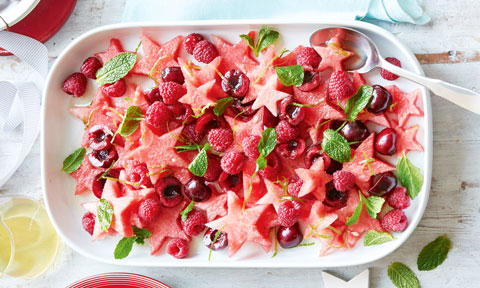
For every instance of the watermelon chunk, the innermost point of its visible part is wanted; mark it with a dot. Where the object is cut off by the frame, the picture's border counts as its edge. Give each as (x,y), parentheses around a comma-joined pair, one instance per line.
(252,186)
(113,50)
(215,206)
(314,180)
(273,196)
(85,175)
(268,94)
(233,55)
(254,126)
(406,140)
(404,104)
(333,55)
(259,220)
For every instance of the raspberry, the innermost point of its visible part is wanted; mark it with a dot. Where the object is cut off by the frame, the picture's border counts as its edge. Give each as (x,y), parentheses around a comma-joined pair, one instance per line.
(116,89)
(340,86)
(190,135)
(398,198)
(273,167)
(149,209)
(75,84)
(153,96)
(213,169)
(395,221)
(138,175)
(190,42)
(343,181)
(250,146)
(232,162)
(195,223)
(289,213)
(171,92)
(294,186)
(285,131)
(308,57)
(182,113)
(90,67)
(178,248)
(205,52)
(389,75)
(220,138)
(88,222)
(158,115)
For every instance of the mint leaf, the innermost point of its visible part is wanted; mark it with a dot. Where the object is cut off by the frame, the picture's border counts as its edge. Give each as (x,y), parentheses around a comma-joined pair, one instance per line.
(290,75)
(249,41)
(434,253)
(373,204)
(116,68)
(409,176)
(375,238)
(74,160)
(266,37)
(356,214)
(221,105)
(336,146)
(402,276)
(187,210)
(141,234)
(267,142)
(261,163)
(199,164)
(123,247)
(131,121)
(358,102)
(104,214)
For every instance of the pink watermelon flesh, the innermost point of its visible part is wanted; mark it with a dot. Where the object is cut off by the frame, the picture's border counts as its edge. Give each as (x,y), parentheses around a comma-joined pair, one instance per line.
(113,50)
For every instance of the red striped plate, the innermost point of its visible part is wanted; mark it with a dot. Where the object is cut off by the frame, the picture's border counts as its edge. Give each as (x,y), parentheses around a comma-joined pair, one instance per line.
(118,280)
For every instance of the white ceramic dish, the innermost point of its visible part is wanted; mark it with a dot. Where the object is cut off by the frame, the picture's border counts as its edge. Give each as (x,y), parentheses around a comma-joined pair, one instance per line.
(61,134)
(16,12)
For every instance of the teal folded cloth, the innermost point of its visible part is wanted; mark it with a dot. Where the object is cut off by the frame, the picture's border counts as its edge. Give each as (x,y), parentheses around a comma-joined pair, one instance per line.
(163,10)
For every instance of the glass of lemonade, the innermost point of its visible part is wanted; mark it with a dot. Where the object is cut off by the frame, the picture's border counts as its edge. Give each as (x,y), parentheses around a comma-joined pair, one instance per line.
(28,241)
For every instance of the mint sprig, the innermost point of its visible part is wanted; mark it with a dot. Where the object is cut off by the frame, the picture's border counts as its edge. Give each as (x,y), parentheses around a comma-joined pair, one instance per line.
(352,220)
(187,210)
(266,37)
(373,204)
(74,160)
(434,253)
(290,75)
(402,276)
(125,245)
(104,214)
(265,146)
(375,238)
(409,176)
(116,68)
(221,105)
(336,146)
(199,164)
(358,102)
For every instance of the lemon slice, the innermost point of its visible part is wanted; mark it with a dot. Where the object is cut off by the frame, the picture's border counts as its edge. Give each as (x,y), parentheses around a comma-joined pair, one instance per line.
(35,240)
(7,248)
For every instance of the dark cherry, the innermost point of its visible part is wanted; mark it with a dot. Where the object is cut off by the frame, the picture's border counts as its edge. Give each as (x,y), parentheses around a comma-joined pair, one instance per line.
(315,152)
(293,149)
(99,183)
(169,189)
(197,190)
(153,96)
(208,121)
(244,108)
(139,176)
(219,244)
(289,236)
(381,100)
(334,198)
(311,80)
(383,184)
(189,133)
(355,132)
(99,137)
(182,113)
(293,114)
(230,182)
(385,142)
(173,74)
(235,83)
(331,166)
(103,158)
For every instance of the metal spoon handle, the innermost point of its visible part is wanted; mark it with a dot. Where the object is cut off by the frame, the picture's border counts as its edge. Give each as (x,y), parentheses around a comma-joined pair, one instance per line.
(463,97)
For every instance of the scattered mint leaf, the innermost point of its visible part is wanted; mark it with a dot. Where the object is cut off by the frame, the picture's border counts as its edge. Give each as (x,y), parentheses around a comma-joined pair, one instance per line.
(375,238)
(249,41)
(116,68)
(356,214)
(187,210)
(373,204)
(402,276)
(104,214)
(74,160)
(124,247)
(266,37)
(434,253)
(261,163)
(358,102)
(336,146)
(409,176)
(221,105)
(141,234)
(130,122)
(290,75)
(267,142)
(199,164)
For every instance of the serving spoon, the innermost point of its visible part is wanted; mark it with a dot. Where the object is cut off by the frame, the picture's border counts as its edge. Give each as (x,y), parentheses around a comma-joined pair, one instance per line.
(368,57)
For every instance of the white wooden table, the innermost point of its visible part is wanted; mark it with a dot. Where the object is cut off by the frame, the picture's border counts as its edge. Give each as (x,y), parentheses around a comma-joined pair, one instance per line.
(448,48)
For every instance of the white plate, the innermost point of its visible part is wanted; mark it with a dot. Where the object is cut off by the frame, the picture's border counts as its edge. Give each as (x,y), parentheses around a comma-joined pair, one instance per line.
(16,12)
(62,133)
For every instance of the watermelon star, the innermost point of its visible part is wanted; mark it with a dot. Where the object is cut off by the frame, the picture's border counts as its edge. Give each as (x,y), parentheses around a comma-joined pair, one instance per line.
(113,50)
(314,180)
(404,104)
(215,206)
(198,97)
(268,95)
(406,140)
(252,127)
(85,175)
(233,55)
(96,112)
(332,54)
(195,76)
(364,164)
(317,220)
(259,220)
(273,196)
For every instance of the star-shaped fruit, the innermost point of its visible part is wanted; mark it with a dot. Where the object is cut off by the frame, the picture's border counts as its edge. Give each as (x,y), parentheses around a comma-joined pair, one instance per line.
(198,97)
(317,220)
(314,180)
(85,175)
(404,104)
(273,196)
(242,129)
(252,186)
(113,50)
(195,76)
(332,54)
(95,113)
(268,95)
(379,119)
(215,206)
(233,55)
(406,140)
(364,164)
(259,220)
